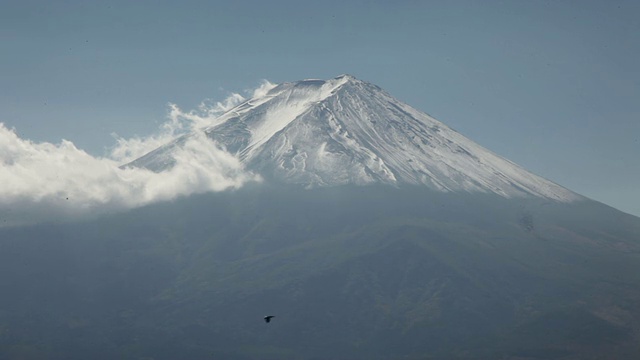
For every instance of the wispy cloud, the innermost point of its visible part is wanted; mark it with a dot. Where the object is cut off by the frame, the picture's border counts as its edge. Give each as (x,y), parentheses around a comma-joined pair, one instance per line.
(51,182)
(179,122)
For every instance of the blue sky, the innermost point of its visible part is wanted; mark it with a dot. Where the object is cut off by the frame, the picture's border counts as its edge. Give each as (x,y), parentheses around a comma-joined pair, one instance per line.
(552,85)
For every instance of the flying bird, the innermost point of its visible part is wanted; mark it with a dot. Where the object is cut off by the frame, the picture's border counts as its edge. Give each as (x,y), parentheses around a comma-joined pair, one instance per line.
(268,318)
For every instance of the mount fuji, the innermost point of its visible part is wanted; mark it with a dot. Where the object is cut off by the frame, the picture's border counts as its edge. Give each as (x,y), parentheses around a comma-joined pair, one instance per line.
(377,233)
(347,131)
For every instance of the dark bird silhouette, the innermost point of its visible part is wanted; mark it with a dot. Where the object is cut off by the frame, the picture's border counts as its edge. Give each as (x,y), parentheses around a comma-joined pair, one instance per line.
(268,318)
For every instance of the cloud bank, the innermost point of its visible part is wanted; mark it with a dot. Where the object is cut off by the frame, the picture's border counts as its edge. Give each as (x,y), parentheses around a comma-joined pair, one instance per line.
(52,182)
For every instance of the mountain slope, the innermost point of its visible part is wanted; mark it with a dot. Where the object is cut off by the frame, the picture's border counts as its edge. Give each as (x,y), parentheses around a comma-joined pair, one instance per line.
(346,131)
(354,272)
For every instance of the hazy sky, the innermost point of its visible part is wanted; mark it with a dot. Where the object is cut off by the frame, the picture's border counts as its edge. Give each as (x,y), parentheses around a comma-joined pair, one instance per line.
(552,85)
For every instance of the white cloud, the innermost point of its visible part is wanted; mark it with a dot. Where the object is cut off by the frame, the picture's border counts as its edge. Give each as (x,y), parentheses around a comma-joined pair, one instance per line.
(179,122)
(50,182)
(263,89)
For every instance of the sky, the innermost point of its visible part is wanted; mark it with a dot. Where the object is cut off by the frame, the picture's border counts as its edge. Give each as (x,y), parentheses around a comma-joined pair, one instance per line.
(551,85)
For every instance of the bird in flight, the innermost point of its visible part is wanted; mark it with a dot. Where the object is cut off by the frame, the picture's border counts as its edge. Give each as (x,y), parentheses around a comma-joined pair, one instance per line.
(268,318)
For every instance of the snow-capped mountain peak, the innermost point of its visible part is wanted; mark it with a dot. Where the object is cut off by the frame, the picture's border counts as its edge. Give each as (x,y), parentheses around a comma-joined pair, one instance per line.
(286,102)
(346,131)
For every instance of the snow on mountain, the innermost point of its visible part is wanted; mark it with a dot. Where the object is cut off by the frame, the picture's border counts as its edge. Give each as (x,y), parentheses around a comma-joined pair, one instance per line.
(346,131)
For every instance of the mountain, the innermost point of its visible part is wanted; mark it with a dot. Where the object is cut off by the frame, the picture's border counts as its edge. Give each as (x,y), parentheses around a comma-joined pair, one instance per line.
(448,252)
(346,131)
